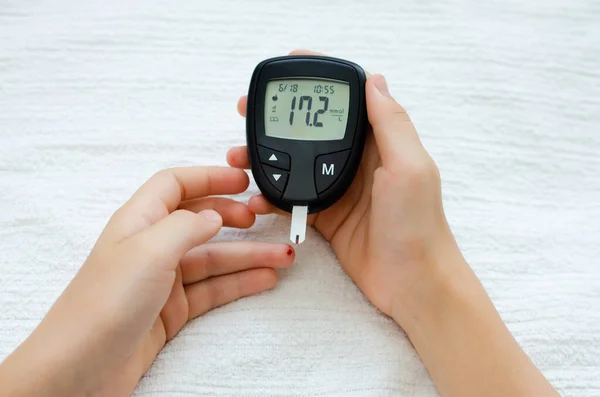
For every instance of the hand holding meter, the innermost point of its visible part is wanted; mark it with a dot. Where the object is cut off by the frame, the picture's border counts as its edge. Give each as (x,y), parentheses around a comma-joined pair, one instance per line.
(305,129)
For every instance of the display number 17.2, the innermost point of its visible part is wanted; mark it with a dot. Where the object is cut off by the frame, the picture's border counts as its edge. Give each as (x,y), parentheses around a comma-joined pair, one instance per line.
(306,102)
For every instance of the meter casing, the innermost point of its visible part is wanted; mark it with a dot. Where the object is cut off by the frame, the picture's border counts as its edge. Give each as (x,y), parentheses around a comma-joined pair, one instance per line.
(313,173)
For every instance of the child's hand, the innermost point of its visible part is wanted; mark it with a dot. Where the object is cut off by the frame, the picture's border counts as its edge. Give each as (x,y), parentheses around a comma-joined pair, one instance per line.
(391,236)
(389,228)
(148,275)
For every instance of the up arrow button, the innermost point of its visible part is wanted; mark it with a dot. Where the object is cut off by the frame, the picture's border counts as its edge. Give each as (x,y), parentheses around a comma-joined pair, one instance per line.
(274,158)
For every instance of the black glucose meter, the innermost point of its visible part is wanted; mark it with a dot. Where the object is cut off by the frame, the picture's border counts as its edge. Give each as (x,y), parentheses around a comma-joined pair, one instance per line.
(306,126)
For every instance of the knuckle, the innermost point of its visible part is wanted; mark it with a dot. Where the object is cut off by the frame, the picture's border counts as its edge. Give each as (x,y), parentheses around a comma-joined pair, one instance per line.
(392,115)
(180,315)
(423,169)
(119,214)
(412,173)
(415,172)
(186,218)
(382,178)
(215,295)
(168,178)
(205,263)
(149,249)
(182,213)
(163,174)
(399,111)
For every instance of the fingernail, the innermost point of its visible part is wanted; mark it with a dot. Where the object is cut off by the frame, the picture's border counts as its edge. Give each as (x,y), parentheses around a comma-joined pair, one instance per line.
(381,85)
(210,215)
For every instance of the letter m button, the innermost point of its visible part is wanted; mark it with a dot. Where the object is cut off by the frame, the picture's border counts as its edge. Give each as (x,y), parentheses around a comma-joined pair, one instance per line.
(328,168)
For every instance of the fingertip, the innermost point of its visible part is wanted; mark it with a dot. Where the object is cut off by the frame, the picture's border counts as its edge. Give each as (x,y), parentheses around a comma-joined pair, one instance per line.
(179,232)
(212,216)
(380,84)
(258,204)
(395,135)
(230,157)
(234,170)
(302,51)
(377,100)
(238,180)
(380,101)
(245,178)
(281,256)
(241,105)
(237,157)
(268,278)
(290,253)
(246,217)
(382,108)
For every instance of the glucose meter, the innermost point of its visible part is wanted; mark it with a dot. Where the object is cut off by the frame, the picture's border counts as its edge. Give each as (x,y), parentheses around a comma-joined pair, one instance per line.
(306,126)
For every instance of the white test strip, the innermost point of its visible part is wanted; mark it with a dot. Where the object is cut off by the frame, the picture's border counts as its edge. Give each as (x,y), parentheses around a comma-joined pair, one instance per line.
(298,229)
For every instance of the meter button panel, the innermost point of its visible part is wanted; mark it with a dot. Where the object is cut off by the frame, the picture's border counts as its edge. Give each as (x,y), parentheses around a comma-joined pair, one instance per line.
(277,177)
(274,158)
(328,168)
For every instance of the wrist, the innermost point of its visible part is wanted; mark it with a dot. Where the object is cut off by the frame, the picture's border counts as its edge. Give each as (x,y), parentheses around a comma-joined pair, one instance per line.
(46,364)
(444,279)
(24,373)
(461,338)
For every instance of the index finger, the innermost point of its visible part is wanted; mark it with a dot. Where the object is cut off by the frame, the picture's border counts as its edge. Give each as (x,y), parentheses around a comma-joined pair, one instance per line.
(174,185)
(167,189)
(306,52)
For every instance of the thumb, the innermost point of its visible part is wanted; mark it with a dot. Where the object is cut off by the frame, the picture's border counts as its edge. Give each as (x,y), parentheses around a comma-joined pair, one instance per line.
(394,132)
(181,231)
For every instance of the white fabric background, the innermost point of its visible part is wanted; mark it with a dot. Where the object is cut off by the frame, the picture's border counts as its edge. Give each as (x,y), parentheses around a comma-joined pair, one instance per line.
(97,96)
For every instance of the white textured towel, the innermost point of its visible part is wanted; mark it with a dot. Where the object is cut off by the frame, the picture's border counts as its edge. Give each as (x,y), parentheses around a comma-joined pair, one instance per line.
(97,96)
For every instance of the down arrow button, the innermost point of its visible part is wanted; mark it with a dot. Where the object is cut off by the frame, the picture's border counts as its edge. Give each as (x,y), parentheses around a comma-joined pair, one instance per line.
(277,177)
